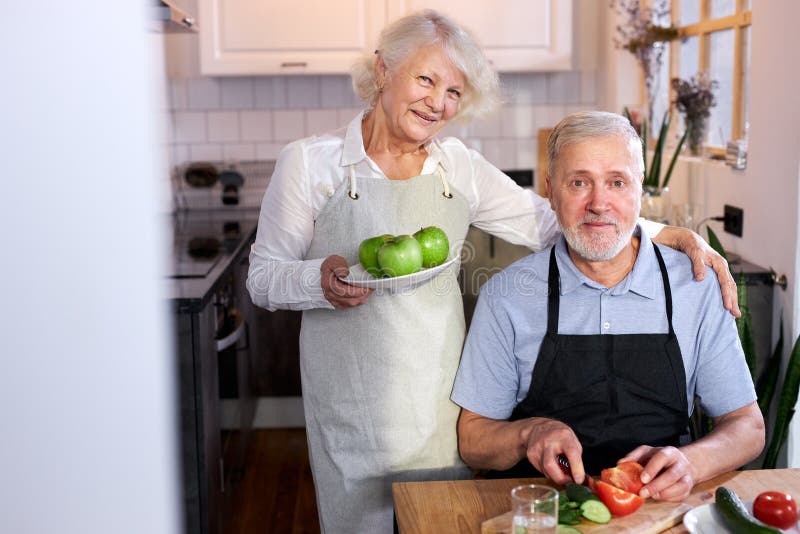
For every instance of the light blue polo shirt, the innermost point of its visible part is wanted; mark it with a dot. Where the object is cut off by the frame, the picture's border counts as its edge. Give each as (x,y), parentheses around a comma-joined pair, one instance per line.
(510,322)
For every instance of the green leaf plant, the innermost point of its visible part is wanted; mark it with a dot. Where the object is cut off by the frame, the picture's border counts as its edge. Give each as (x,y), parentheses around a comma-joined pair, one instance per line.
(767,382)
(652,172)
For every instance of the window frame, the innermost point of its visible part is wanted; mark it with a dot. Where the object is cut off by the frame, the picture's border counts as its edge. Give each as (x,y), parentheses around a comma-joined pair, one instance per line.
(738,22)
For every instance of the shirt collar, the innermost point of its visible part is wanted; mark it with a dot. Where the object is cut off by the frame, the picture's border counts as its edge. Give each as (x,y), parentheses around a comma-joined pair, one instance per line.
(642,280)
(353,151)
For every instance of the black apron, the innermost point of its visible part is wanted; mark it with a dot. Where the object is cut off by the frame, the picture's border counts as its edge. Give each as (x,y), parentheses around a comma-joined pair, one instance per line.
(615,392)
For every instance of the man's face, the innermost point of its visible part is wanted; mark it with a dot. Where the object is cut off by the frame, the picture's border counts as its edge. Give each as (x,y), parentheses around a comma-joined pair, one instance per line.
(596,192)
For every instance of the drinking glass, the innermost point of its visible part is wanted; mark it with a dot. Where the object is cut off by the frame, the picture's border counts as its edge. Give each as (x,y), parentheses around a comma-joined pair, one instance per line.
(535,509)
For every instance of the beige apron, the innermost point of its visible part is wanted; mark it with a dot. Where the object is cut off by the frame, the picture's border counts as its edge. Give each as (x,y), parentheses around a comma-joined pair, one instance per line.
(377,378)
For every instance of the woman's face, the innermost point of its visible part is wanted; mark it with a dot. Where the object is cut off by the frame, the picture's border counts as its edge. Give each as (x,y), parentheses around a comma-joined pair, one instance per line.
(421,95)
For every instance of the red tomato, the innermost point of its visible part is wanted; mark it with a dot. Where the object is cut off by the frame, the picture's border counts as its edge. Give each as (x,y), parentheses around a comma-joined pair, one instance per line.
(775,509)
(618,501)
(625,476)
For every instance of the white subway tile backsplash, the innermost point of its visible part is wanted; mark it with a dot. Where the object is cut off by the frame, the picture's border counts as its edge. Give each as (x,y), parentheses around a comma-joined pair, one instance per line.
(517,121)
(268,150)
(563,87)
(455,129)
(179,95)
(589,87)
(256,125)
(524,88)
(239,152)
(180,155)
(303,92)
(189,126)
(337,92)
(223,126)
(500,152)
(237,93)
(205,152)
(345,115)
(486,127)
(204,93)
(320,121)
(288,125)
(270,92)
(526,153)
(547,116)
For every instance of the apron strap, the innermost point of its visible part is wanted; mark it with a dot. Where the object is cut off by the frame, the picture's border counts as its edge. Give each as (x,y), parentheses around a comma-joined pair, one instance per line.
(353,192)
(445,185)
(553,280)
(667,289)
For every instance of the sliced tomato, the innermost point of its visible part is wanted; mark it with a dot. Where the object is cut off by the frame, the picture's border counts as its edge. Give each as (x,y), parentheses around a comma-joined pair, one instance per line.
(625,476)
(618,501)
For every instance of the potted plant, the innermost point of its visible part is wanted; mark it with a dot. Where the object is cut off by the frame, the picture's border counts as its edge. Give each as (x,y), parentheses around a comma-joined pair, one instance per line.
(767,383)
(694,98)
(655,190)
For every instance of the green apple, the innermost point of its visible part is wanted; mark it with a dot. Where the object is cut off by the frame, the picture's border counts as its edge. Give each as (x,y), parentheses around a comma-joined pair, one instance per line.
(400,255)
(368,253)
(435,246)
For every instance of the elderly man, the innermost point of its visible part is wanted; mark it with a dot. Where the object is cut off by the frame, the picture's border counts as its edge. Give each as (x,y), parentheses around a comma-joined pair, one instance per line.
(597,348)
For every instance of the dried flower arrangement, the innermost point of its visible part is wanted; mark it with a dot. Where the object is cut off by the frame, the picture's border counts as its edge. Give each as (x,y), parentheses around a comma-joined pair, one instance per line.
(694,98)
(644,38)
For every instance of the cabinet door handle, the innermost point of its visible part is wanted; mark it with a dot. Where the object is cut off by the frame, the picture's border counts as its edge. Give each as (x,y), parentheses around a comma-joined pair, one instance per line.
(286,64)
(222,475)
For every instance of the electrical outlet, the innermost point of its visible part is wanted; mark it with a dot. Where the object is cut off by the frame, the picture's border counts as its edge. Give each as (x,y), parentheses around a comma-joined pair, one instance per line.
(734,218)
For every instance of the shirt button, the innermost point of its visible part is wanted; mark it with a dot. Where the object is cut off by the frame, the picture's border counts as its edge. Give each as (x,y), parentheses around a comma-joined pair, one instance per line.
(606,325)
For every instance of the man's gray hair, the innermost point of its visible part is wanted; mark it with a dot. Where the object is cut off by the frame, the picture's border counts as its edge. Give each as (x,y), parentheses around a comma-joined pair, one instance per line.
(405,36)
(584,125)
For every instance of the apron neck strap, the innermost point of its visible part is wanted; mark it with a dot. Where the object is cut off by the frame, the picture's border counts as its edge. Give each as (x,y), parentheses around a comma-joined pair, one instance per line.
(553,282)
(667,289)
(353,192)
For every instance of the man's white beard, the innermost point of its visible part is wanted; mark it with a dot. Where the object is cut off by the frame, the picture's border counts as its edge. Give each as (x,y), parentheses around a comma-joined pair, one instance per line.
(598,246)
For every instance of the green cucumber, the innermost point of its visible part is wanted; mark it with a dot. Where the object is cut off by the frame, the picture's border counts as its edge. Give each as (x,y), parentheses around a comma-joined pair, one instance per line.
(563,529)
(569,516)
(579,494)
(595,511)
(736,516)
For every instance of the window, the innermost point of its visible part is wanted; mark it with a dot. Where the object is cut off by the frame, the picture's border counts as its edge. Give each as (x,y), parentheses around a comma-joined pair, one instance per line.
(715,38)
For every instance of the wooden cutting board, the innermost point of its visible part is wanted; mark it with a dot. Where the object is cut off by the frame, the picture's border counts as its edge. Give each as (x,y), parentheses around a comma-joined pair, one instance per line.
(651,518)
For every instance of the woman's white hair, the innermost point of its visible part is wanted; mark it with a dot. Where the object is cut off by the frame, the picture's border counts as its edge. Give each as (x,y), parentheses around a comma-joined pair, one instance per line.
(402,38)
(585,125)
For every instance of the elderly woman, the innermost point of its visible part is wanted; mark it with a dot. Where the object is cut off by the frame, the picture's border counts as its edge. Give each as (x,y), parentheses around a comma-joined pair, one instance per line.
(377,369)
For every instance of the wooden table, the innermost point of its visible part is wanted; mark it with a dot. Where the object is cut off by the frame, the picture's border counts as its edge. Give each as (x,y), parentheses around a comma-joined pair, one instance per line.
(462,505)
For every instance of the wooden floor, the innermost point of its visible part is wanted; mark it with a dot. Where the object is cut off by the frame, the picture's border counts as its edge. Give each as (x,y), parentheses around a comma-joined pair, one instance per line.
(277,491)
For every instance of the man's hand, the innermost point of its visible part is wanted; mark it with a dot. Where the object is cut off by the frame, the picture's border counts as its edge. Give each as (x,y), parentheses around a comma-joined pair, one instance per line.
(667,475)
(338,293)
(546,439)
(701,254)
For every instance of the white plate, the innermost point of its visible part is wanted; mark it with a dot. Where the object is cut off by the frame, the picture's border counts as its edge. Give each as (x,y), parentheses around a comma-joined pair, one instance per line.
(705,519)
(359,277)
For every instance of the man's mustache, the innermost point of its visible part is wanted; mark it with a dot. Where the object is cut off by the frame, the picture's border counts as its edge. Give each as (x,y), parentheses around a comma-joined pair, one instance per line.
(602,219)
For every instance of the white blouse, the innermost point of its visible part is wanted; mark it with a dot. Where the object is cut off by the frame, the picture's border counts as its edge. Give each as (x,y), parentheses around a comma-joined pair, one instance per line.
(308,172)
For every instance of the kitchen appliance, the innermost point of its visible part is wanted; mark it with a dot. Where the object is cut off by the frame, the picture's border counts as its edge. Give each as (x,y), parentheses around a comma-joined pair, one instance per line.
(212,316)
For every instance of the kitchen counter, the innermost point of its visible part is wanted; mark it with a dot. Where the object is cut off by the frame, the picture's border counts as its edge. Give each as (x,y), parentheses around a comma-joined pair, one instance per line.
(463,505)
(195,276)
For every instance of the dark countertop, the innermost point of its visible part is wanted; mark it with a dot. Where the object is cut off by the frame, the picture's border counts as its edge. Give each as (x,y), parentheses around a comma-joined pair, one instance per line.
(193,280)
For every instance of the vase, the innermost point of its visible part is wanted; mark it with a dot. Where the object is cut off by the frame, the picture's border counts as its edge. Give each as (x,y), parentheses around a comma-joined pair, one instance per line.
(656,204)
(697,135)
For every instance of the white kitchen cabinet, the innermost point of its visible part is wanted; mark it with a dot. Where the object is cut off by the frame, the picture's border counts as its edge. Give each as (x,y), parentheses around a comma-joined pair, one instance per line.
(516,35)
(248,37)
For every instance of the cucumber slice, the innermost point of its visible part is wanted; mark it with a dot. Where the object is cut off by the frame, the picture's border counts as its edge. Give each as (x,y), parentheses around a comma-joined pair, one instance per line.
(564,529)
(595,511)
